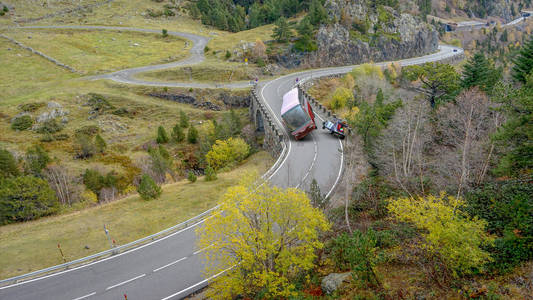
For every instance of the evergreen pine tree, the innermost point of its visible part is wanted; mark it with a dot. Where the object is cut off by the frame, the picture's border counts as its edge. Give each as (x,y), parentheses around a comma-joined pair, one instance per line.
(504,37)
(192,135)
(523,63)
(36,160)
(184,119)
(191,177)
(100,143)
(164,153)
(8,165)
(379,97)
(317,13)
(210,174)
(177,133)
(305,32)
(162,136)
(478,72)
(317,199)
(282,32)
(235,123)
(148,189)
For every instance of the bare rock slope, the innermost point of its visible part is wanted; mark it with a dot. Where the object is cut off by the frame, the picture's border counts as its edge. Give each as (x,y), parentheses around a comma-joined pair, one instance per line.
(358,32)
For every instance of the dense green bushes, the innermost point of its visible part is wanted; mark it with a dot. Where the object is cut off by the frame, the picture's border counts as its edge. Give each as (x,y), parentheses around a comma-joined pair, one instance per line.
(508,208)
(31,106)
(162,136)
(96,182)
(87,146)
(192,135)
(191,177)
(49,127)
(359,253)
(237,15)
(36,160)
(372,118)
(148,189)
(25,198)
(22,123)
(523,63)
(210,174)
(8,165)
(177,134)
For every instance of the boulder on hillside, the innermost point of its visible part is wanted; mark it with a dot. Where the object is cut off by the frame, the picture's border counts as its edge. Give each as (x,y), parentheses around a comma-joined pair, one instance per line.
(333,281)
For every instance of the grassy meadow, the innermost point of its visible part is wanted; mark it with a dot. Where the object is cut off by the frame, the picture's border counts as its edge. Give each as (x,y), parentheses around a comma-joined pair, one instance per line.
(98,51)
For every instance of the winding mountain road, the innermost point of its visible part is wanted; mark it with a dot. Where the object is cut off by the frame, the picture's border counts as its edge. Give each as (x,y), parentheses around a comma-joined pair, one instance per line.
(171,268)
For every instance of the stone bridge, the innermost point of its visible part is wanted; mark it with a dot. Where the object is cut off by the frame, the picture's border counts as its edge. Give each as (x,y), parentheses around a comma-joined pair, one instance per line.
(265,125)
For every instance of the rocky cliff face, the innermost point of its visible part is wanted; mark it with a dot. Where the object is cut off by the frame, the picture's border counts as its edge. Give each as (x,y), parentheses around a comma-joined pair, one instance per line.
(360,33)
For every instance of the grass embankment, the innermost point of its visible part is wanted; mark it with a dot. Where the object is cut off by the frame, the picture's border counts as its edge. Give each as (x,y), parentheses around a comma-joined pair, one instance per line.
(226,40)
(132,13)
(96,51)
(27,9)
(31,246)
(25,73)
(209,71)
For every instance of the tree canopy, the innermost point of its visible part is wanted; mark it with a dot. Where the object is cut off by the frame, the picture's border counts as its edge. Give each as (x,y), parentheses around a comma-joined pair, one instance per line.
(478,71)
(440,82)
(36,160)
(523,63)
(282,31)
(26,198)
(451,235)
(148,189)
(263,237)
(516,135)
(8,164)
(237,15)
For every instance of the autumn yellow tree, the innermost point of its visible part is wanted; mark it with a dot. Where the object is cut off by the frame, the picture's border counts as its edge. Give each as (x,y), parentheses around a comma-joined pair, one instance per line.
(369,70)
(340,98)
(259,50)
(227,152)
(258,240)
(452,235)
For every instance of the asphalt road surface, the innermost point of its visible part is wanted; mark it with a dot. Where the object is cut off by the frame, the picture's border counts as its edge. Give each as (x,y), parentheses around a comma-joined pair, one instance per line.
(171,267)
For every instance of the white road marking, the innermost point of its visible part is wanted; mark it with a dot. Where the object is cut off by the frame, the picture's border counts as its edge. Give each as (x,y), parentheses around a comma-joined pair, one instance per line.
(86,296)
(312,163)
(197,284)
(201,250)
(169,264)
(124,282)
(341,167)
(340,171)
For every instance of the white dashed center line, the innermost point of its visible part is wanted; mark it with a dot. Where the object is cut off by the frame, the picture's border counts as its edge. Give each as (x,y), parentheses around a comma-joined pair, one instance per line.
(124,282)
(86,296)
(170,264)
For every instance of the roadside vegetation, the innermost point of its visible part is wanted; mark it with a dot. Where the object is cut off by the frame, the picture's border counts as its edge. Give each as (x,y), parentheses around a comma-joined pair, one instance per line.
(439,143)
(126,219)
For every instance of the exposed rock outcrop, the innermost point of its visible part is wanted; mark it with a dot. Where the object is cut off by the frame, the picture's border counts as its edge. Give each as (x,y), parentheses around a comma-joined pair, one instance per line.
(360,33)
(333,281)
(230,101)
